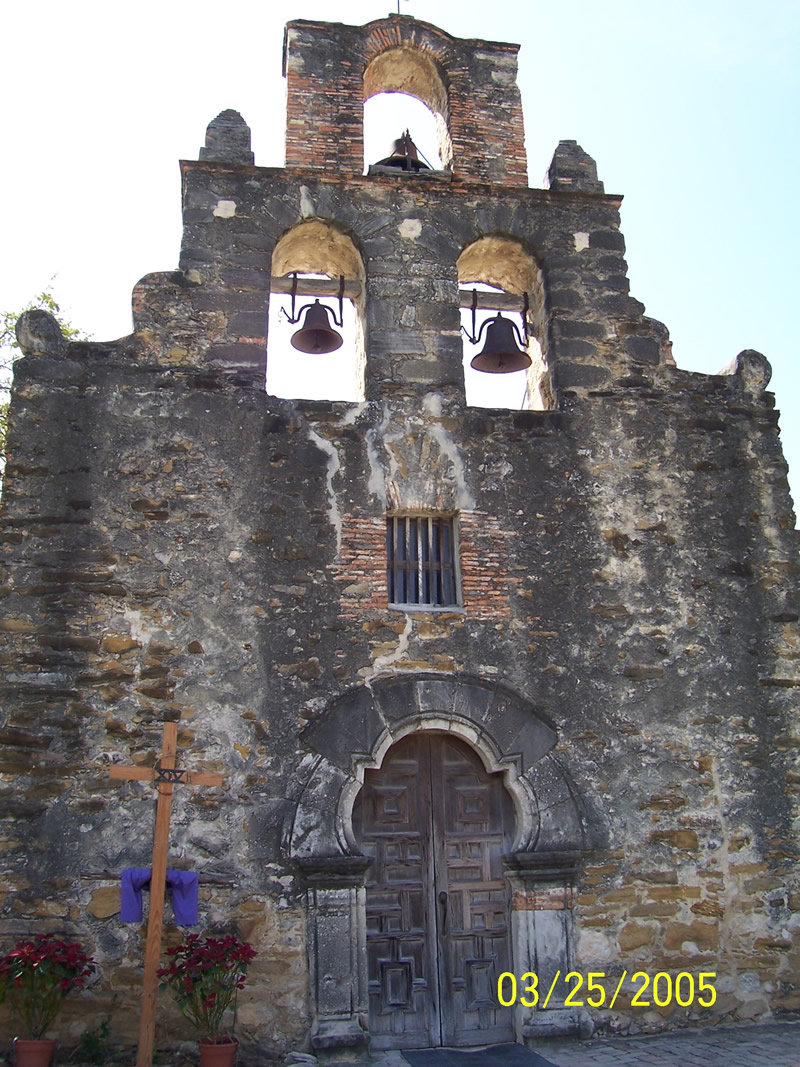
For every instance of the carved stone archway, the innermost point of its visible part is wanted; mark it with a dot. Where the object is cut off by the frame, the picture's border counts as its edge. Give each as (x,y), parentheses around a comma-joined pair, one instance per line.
(511,736)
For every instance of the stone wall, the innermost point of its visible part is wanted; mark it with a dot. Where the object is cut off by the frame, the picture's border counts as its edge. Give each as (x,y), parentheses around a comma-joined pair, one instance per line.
(179,545)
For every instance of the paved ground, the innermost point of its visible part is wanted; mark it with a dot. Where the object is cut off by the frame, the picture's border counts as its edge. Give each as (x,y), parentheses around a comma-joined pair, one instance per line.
(771,1045)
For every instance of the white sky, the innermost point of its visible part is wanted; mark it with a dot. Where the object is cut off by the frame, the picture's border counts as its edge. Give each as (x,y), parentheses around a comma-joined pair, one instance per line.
(690,108)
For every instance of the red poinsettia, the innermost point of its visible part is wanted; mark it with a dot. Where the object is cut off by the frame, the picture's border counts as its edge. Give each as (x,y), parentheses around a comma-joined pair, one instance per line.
(37,976)
(204,976)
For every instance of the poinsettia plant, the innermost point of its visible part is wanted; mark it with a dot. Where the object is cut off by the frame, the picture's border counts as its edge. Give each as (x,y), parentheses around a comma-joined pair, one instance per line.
(204,976)
(36,977)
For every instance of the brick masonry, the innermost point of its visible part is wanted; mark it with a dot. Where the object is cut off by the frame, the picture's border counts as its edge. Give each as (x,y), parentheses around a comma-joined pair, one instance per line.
(325,66)
(486,585)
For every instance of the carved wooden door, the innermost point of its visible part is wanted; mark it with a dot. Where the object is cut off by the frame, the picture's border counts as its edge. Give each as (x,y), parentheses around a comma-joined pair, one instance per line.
(435,825)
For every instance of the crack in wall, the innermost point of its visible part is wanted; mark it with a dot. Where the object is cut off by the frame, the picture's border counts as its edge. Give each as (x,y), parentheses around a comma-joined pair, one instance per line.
(377,475)
(334,466)
(464,499)
(382,663)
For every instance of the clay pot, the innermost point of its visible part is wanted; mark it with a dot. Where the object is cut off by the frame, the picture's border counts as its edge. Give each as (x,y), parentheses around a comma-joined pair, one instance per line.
(212,1055)
(37,1053)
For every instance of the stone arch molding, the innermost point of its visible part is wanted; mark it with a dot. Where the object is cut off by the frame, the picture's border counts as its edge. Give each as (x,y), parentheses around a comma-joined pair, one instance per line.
(508,732)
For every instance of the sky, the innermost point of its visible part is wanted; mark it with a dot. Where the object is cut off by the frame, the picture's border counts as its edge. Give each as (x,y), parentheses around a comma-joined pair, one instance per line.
(690,108)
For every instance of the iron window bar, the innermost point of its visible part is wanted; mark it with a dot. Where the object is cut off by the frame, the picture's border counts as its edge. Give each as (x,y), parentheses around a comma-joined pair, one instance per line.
(420,561)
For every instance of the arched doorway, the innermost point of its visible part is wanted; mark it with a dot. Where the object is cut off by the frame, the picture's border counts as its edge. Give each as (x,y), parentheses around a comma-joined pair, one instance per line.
(435,826)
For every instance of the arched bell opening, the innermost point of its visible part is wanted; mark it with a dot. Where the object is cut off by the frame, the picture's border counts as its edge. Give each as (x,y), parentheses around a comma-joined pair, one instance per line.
(315,347)
(400,133)
(436,825)
(503,319)
(404,90)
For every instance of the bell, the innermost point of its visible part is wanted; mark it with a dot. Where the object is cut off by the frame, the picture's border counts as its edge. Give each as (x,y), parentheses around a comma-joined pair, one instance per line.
(501,354)
(316,335)
(405,156)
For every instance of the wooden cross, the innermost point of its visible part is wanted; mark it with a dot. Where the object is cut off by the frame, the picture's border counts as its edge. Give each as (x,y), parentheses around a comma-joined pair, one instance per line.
(165,774)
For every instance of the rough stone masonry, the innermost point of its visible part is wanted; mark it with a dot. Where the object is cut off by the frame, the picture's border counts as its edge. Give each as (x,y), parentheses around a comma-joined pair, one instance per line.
(619,666)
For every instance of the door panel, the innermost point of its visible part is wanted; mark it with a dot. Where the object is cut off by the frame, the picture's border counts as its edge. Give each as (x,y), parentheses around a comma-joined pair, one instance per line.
(474,810)
(391,821)
(436,826)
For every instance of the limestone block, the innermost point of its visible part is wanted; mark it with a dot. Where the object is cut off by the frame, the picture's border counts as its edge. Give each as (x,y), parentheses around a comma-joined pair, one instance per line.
(104,902)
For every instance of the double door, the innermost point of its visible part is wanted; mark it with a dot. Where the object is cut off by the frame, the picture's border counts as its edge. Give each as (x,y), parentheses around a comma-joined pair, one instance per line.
(435,825)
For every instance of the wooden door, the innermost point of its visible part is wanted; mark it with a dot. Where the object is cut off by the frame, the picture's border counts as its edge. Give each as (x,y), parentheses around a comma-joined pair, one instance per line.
(435,825)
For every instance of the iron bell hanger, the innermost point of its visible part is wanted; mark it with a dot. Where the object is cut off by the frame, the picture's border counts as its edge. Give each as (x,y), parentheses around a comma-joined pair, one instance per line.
(405,156)
(504,350)
(316,336)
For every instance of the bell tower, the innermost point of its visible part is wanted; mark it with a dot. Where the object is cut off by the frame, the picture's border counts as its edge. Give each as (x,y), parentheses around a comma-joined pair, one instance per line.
(415,246)
(470,86)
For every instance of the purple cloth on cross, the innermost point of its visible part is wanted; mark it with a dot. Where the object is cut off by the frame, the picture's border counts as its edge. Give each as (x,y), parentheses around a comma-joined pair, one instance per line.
(184,894)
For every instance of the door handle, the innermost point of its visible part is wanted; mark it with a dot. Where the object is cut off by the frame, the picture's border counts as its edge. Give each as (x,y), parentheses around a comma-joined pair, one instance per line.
(443,911)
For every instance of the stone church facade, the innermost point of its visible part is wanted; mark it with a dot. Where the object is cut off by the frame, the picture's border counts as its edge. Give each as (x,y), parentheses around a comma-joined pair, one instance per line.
(493,691)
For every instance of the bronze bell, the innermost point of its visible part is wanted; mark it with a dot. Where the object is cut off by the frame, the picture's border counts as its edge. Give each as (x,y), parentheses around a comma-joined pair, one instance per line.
(501,354)
(405,156)
(316,335)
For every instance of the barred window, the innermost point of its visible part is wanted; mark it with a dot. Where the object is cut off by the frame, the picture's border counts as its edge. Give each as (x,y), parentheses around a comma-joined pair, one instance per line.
(420,560)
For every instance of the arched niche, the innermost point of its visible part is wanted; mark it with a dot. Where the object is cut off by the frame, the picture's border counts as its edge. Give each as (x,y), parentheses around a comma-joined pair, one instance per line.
(504,264)
(407,70)
(321,254)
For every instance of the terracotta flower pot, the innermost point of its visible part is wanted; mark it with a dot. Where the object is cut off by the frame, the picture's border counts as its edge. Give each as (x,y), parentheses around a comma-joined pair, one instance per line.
(37,1053)
(213,1055)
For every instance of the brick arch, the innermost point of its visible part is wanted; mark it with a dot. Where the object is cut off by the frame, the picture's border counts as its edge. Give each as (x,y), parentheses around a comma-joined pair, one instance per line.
(510,734)
(325,66)
(413,71)
(404,32)
(408,56)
